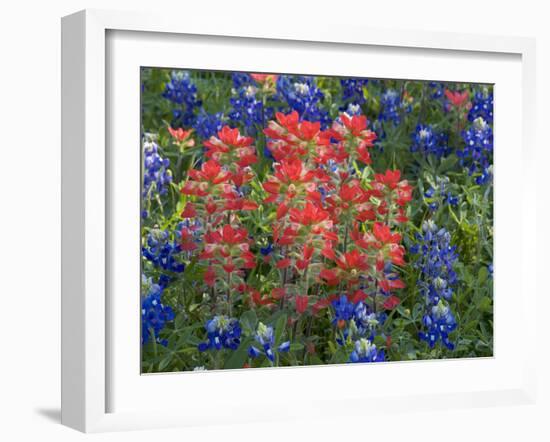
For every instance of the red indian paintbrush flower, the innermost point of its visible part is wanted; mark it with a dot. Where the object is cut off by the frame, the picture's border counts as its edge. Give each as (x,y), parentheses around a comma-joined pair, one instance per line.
(217,188)
(384,241)
(231,149)
(228,235)
(389,179)
(352,134)
(350,266)
(311,216)
(182,137)
(188,243)
(267,82)
(227,251)
(204,180)
(290,137)
(350,202)
(262,78)
(389,190)
(301,303)
(291,183)
(458,99)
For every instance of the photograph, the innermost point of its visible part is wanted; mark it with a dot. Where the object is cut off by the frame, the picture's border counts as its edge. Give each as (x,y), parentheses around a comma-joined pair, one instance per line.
(292,220)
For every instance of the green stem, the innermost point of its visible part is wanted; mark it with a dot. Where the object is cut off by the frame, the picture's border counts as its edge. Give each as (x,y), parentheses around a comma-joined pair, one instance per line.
(229,309)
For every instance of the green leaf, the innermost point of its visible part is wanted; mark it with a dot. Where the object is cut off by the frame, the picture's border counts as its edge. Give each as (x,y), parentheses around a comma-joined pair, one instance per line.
(341,356)
(447,163)
(296,346)
(379,341)
(482,275)
(485,304)
(179,321)
(280,328)
(165,361)
(239,356)
(249,320)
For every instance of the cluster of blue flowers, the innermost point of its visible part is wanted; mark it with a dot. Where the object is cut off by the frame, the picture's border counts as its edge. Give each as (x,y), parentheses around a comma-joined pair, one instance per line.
(358,322)
(265,338)
(266,251)
(366,321)
(353,93)
(478,150)
(302,95)
(246,107)
(343,309)
(392,106)
(366,351)
(439,322)
(154,315)
(222,332)
(190,113)
(437,277)
(156,174)
(161,251)
(430,142)
(241,79)
(440,194)
(482,106)
(207,125)
(183,92)
(436,89)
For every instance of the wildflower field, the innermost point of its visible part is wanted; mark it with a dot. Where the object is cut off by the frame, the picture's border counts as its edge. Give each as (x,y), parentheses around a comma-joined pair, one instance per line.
(293,220)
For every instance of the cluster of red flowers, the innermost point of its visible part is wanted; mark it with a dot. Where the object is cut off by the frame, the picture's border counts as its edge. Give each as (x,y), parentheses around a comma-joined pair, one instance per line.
(213,195)
(333,226)
(228,248)
(333,218)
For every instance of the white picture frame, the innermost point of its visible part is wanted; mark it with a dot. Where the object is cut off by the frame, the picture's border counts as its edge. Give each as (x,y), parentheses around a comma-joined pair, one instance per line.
(86,356)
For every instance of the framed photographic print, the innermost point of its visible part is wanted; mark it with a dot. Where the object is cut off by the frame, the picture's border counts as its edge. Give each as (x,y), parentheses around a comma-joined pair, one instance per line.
(295,220)
(247,211)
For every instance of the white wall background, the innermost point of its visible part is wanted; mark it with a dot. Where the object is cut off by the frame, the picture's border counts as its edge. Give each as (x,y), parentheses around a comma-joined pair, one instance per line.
(30,215)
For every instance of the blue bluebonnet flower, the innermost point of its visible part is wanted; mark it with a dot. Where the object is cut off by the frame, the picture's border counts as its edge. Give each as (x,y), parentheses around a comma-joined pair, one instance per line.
(159,250)
(439,322)
(477,153)
(343,309)
(154,315)
(440,194)
(490,269)
(391,106)
(355,320)
(436,262)
(353,109)
(437,90)
(156,175)
(427,141)
(302,95)
(183,92)
(366,320)
(241,79)
(353,92)
(482,106)
(267,249)
(248,110)
(222,332)
(265,338)
(437,278)
(365,351)
(207,125)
